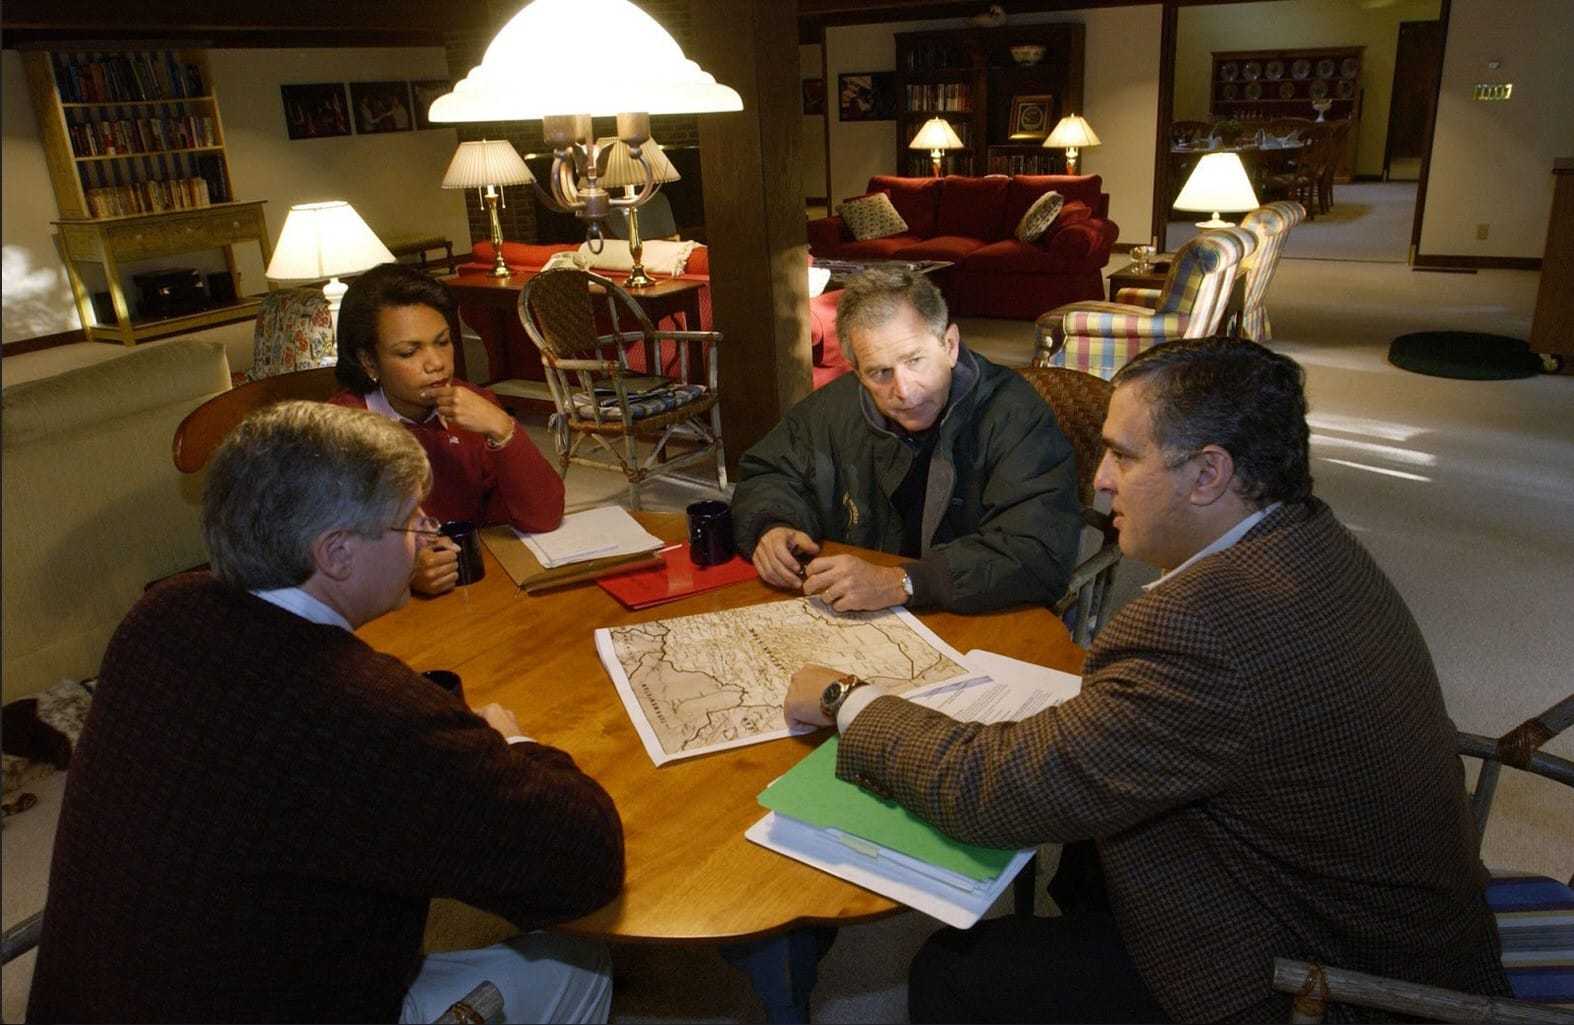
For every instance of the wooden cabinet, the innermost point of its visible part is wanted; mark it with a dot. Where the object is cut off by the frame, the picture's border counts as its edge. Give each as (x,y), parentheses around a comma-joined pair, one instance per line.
(970,78)
(135,149)
(1260,85)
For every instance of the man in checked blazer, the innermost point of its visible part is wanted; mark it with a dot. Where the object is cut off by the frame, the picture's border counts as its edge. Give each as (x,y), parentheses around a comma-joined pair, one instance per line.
(1259,753)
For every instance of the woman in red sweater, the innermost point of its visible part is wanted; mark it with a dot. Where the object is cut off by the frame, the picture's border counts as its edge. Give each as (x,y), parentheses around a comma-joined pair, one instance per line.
(397,330)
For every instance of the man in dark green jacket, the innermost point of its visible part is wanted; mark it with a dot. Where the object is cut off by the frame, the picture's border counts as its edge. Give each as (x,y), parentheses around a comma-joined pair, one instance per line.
(930,451)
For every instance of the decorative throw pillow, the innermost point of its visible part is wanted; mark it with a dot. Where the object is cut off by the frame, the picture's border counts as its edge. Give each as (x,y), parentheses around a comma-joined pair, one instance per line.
(1039,217)
(871,217)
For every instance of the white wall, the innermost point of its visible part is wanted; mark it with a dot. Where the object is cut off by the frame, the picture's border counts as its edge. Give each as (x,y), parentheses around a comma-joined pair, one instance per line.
(1294,24)
(1120,97)
(811,152)
(1492,162)
(392,180)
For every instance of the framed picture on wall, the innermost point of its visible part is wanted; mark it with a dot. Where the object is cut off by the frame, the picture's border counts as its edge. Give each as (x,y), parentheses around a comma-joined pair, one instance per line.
(315,111)
(866,96)
(814,96)
(423,94)
(1030,116)
(381,107)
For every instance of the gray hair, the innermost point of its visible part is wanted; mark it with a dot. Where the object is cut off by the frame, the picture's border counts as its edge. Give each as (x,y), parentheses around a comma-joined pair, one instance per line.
(875,296)
(292,471)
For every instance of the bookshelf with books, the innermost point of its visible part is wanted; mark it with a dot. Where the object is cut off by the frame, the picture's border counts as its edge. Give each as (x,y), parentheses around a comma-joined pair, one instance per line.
(135,149)
(971,77)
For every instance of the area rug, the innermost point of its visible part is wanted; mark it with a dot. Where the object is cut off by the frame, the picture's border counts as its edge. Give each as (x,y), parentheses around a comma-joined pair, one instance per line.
(1465,355)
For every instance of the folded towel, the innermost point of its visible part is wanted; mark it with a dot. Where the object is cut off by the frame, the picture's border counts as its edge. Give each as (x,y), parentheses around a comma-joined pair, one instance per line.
(659,256)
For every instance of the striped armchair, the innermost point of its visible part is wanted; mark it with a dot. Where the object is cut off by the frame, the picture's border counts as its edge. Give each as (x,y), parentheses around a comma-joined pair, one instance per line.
(1271,224)
(1101,337)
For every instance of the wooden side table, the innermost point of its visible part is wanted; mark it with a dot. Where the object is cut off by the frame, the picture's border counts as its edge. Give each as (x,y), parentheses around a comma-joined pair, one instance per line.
(1130,277)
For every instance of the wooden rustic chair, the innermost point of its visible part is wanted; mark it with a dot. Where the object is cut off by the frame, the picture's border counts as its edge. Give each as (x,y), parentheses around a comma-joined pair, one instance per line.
(600,400)
(1532,914)
(1080,402)
(200,433)
(1271,224)
(1099,337)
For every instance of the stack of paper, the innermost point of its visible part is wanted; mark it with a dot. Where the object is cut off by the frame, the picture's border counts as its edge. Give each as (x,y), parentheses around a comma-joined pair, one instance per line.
(597,533)
(850,833)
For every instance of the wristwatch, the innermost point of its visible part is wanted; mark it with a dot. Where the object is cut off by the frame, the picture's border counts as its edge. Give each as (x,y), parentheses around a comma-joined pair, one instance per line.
(907,584)
(835,694)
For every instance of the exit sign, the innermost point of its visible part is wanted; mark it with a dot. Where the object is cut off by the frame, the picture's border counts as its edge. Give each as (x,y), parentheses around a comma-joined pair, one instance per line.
(1492,90)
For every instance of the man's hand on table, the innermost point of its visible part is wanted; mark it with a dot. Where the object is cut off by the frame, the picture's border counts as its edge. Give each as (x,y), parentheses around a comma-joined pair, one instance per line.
(849,584)
(776,556)
(436,568)
(802,704)
(501,720)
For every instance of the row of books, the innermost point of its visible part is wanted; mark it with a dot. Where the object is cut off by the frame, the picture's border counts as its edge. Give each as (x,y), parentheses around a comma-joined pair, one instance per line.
(956,96)
(118,77)
(920,166)
(141,135)
(1026,163)
(148,197)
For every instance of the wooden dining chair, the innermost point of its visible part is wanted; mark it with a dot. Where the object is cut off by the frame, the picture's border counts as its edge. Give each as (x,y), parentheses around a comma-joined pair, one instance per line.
(200,433)
(601,401)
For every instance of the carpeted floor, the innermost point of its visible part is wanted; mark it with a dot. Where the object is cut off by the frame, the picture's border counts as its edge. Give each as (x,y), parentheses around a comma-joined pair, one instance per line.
(1462,490)
(1370,222)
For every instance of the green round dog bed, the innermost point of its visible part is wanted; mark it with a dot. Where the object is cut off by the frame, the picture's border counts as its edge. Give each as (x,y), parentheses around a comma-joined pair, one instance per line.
(1466,355)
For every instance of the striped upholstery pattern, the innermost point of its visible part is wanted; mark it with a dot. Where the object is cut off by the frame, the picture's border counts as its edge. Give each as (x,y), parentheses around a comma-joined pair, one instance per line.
(1271,224)
(1535,920)
(1100,337)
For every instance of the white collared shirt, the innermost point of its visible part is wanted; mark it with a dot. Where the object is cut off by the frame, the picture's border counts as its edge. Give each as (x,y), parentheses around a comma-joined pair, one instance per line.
(378,403)
(1223,541)
(307,606)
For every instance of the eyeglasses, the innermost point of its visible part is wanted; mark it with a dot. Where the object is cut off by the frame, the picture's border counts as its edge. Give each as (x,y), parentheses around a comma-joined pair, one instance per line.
(427,528)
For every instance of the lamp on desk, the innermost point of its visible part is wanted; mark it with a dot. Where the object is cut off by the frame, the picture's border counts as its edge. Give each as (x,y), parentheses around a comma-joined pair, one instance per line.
(325,240)
(536,68)
(1071,134)
(623,170)
(1218,182)
(486,166)
(936,136)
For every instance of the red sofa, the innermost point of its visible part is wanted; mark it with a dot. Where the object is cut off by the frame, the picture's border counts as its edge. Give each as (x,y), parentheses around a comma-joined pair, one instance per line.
(972,223)
(829,363)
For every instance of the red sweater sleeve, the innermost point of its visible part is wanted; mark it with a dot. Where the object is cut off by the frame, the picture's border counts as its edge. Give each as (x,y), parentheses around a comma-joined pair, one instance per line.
(528,492)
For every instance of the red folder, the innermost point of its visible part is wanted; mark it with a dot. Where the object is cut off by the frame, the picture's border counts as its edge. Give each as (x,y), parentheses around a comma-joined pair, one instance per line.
(678,577)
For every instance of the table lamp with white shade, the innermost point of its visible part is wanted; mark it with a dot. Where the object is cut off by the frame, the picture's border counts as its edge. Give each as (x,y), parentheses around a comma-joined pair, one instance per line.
(325,240)
(1218,182)
(624,171)
(1071,134)
(936,136)
(486,165)
(566,61)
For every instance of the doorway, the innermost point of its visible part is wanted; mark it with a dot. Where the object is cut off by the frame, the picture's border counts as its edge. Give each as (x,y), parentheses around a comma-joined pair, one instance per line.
(1418,62)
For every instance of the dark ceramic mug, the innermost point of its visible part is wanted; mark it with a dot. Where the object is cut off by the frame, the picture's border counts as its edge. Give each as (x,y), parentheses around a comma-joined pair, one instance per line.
(710,533)
(463,534)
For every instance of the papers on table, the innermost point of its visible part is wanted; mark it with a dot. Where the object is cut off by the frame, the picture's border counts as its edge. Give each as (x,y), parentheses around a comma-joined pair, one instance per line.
(593,534)
(850,833)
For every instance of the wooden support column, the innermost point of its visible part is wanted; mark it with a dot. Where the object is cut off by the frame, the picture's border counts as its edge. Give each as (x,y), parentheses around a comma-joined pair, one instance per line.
(755,222)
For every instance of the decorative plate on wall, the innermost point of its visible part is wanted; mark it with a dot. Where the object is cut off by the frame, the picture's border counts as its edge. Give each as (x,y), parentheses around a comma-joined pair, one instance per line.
(1349,67)
(1254,90)
(1286,90)
(1346,89)
(1319,90)
(1325,68)
(1252,71)
(1228,71)
(1228,92)
(1301,68)
(1273,70)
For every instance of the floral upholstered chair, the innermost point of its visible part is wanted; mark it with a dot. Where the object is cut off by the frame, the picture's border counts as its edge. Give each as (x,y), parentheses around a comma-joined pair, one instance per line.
(1271,224)
(1098,337)
(294,332)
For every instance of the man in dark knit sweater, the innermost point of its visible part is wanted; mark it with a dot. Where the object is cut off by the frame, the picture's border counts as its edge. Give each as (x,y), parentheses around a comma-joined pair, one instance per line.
(261,806)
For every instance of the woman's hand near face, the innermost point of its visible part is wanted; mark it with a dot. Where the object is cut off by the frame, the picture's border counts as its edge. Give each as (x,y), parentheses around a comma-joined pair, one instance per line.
(436,568)
(470,411)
